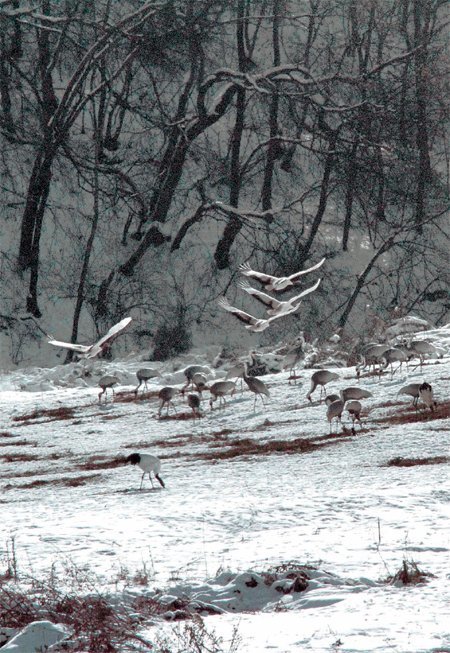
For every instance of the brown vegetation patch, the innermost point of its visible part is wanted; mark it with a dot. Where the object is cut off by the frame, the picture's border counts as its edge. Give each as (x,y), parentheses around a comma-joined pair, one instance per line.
(106,463)
(18,457)
(179,416)
(412,462)
(189,439)
(128,397)
(249,447)
(411,415)
(64,412)
(19,443)
(5,434)
(74,481)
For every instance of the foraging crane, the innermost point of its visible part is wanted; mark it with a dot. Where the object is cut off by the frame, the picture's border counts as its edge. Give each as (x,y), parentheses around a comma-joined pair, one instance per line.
(165,396)
(394,355)
(334,411)
(90,351)
(354,408)
(412,389)
(256,386)
(144,375)
(194,403)
(330,398)
(148,464)
(420,348)
(274,306)
(372,356)
(107,381)
(354,393)
(321,377)
(277,284)
(219,389)
(189,373)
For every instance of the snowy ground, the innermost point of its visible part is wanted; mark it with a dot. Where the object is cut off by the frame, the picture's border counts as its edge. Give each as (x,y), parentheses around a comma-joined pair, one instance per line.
(245,503)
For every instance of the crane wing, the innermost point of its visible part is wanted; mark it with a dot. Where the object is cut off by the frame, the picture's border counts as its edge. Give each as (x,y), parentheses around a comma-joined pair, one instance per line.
(241,315)
(294,277)
(112,333)
(307,291)
(245,269)
(82,349)
(267,300)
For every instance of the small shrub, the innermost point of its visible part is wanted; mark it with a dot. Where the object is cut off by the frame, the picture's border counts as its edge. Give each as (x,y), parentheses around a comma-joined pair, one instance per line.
(172,337)
(409,574)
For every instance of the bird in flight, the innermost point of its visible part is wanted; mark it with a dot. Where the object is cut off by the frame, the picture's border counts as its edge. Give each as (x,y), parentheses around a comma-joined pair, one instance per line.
(277,284)
(90,351)
(274,306)
(251,323)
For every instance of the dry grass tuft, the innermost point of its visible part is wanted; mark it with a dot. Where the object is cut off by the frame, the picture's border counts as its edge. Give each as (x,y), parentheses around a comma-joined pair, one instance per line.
(65,412)
(409,574)
(412,462)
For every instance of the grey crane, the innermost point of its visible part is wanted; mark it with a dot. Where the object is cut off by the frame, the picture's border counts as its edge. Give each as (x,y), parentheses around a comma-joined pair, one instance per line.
(354,393)
(354,409)
(189,373)
(420,348)
(334,411)
(165,396)
(412,389)
(330,398)
(194,403)
(394,355)
(107,382)
(321,377)
(144,375)
(372,356)
(220,389)
(148,464)
(256,386)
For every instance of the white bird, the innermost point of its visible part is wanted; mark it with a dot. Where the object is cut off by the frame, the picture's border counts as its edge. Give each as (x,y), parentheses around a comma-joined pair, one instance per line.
(219,389)
(256,386)
(274,306)
(144,375)
(148,464)
(426,395)
(107,381)
(321,377)
(251,323)
(165,396)
(90,351)
(277,284)
(334,411)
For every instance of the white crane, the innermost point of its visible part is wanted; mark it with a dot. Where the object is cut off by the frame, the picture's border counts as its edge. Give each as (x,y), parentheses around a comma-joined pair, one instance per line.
(277,284)
(148,464)
(274,306)
(251,323)
(90,351)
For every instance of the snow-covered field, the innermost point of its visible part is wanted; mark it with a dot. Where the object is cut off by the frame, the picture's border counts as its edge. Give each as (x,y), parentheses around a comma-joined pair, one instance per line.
(250,496)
